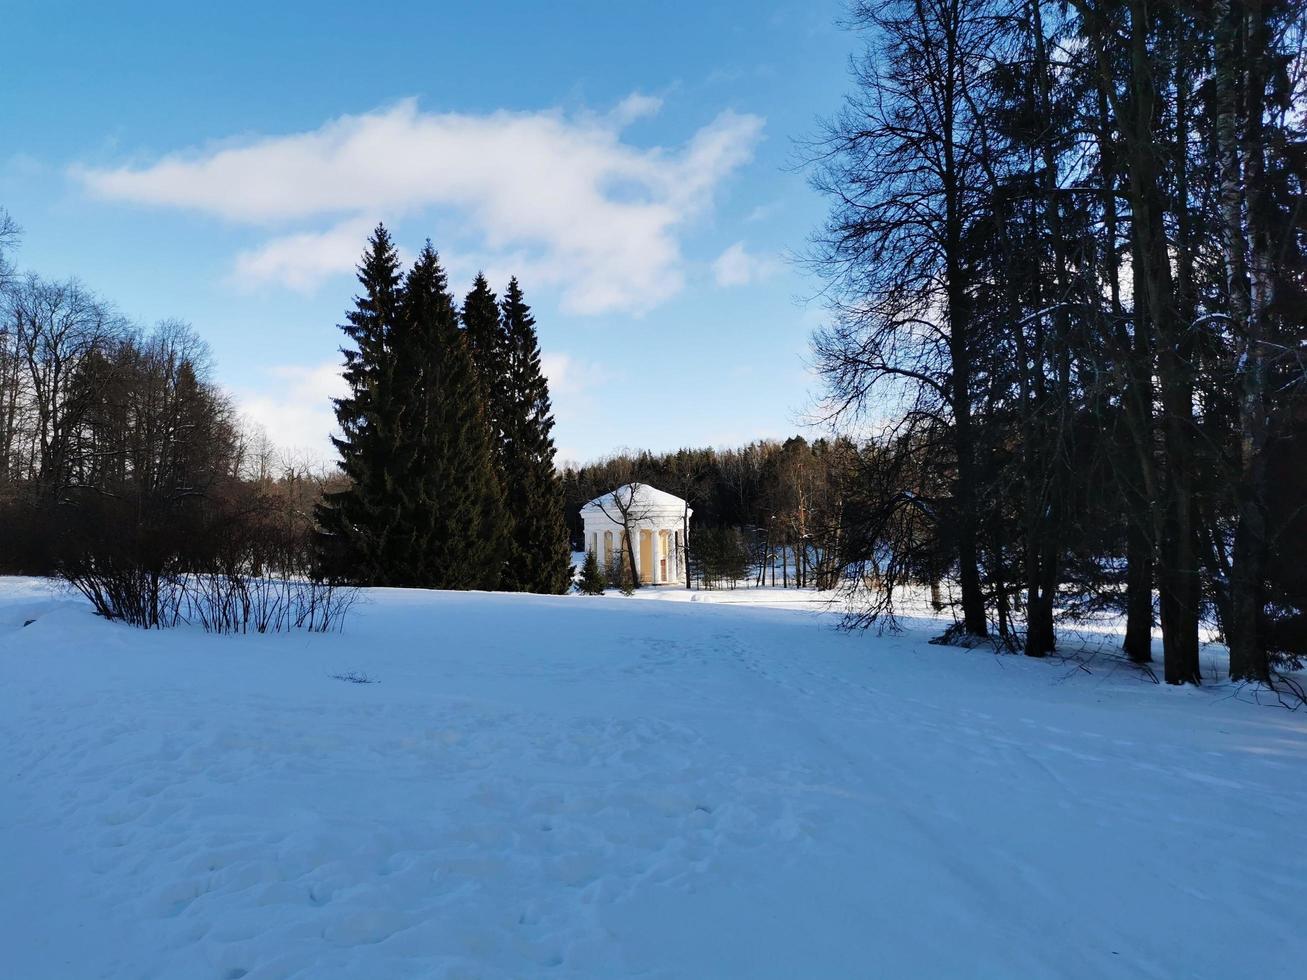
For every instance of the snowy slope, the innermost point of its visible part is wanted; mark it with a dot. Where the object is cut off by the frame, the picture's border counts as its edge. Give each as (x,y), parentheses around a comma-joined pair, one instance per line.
(603,787)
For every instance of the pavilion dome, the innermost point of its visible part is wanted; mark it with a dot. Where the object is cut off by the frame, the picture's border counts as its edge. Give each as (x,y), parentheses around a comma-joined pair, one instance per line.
(642,524)
(643,499)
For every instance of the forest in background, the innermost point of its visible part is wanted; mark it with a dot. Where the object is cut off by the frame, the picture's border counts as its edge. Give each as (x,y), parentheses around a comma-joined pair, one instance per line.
(766,510)
(127,470)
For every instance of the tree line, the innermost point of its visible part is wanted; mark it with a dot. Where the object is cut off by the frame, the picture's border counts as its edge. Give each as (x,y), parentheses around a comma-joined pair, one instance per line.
(1066,257)
(126,469)
(446,438)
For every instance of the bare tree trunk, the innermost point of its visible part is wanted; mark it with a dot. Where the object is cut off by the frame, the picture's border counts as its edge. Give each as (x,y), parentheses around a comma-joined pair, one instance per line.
(1173,524)
(685,542)
(1135,466)
(1240,181)
(1178,575)
(630,554)
(974,620)
(959,312)
(1047,507)
(1138,645)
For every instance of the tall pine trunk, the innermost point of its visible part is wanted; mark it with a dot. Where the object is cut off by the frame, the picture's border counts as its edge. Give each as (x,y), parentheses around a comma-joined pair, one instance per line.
(1044,510)
(974,620)
(1178,583)
(1136,459)
(1241,167)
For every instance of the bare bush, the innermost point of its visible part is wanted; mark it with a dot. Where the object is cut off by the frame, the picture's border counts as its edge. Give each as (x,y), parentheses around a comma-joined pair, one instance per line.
(129,592)
(236,603)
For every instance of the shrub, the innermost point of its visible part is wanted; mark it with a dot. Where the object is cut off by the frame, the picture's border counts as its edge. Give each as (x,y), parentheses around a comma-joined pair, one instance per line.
(592,577)
(225,561)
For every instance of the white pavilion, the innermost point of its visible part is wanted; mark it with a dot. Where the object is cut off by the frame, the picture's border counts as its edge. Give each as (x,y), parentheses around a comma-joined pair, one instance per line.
(658,523)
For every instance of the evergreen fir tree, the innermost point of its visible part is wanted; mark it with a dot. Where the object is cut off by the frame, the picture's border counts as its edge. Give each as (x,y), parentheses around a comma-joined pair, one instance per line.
(453,483)
(592,578)
(358,525)
(539,553)
(486,343)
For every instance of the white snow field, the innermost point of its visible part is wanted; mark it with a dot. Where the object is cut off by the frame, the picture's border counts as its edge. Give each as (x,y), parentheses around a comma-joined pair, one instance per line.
(605,787)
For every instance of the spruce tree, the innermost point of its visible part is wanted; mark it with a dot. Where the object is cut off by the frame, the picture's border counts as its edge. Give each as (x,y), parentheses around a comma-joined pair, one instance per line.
(453,482)
(592,578)
(539,557)
(486,343)
(358,525)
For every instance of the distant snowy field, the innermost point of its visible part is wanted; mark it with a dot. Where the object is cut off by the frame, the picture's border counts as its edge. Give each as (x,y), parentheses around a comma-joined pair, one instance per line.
(660,786)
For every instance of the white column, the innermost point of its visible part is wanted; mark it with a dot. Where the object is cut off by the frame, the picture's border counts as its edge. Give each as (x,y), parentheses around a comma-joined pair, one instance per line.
(655,573)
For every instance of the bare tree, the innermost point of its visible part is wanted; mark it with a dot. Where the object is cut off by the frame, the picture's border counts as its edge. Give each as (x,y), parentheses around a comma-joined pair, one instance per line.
(627,506)
(9,236)
(901,165)
(54,329)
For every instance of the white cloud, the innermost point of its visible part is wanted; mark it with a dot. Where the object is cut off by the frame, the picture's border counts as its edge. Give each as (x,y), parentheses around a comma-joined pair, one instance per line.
(572,384)
(593,214)
(560,371)
(762,212)
(295,408)
(635,106)
(303,261)
(738,267)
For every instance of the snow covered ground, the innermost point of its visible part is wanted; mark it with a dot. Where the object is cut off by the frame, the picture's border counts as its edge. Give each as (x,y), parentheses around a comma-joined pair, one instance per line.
(657,786)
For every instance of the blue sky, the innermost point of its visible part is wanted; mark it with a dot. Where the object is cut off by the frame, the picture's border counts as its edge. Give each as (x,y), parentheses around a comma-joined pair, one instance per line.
(632,164)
